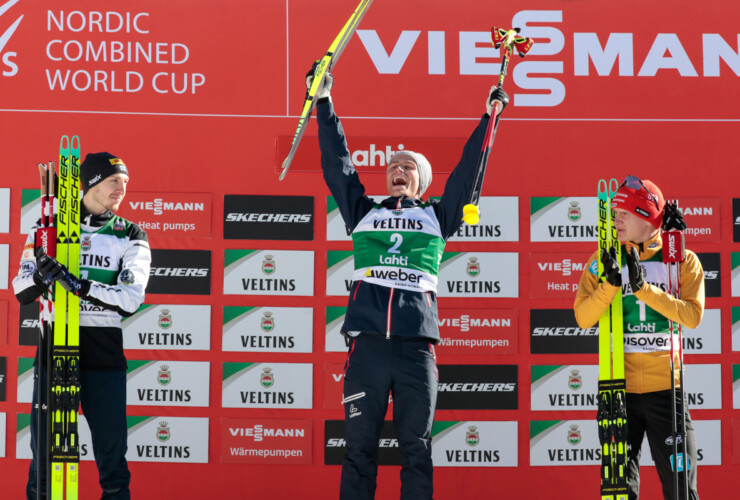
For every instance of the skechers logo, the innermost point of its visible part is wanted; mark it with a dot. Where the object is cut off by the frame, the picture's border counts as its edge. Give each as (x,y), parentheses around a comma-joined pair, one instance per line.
(268,217)
(178,271)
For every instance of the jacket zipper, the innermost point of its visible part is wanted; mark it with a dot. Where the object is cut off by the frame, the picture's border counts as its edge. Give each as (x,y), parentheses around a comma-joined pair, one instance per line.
(390,297)
(388,322)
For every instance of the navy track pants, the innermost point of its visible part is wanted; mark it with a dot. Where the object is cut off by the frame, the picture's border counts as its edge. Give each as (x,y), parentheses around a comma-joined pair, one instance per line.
(407,369)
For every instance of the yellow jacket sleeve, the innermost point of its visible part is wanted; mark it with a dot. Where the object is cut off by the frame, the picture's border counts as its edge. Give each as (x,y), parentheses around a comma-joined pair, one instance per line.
(592,298)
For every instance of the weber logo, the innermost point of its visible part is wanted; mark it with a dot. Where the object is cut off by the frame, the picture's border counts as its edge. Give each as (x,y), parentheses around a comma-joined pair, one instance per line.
(335,444)
(710,262)
(180,272)
(248,217)
(555,331)
(477,387)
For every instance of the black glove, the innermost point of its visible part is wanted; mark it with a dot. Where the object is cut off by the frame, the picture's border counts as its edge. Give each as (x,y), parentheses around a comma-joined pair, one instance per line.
(73,284)
(612,271)
(48,269)
(636,271)
(673,217)
(324,90)
(497,94)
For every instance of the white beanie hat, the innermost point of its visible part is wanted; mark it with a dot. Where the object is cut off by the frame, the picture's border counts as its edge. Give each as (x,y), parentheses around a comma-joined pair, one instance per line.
(422,166)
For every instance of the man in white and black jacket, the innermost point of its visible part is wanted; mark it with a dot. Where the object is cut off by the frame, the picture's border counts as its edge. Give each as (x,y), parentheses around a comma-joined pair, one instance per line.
(391,317)
(114,270)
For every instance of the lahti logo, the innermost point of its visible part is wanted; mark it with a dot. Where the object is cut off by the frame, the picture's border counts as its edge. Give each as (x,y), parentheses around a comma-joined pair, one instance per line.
(10,67)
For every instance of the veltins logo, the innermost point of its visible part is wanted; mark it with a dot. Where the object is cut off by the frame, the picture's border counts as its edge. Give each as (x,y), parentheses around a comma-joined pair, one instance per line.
(256,385)
(167,439)
(575,381)
(164,377)
(472,438)
(163,432)
(267,323)
(474,444)
(268,265)
(574,211)
(574,435)
(9,67)
(563,387)
(165,319)
(267,379)
(473,267)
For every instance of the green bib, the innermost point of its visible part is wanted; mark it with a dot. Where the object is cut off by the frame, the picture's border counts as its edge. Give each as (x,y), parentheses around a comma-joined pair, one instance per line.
(646,330)
(400,248)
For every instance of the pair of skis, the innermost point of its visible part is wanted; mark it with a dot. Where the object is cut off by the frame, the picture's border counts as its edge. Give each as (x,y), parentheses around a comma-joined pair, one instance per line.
(63,357)
(324,66)
(612,406)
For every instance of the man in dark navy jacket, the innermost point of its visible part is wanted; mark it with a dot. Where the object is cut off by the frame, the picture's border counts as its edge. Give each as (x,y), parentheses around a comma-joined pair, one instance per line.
(391,318)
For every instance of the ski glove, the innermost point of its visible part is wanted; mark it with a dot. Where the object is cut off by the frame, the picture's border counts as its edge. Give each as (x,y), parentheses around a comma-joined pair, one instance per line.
(324,90)
(50,270)
(612,271)
(496,94)
(635,269)
(673,217)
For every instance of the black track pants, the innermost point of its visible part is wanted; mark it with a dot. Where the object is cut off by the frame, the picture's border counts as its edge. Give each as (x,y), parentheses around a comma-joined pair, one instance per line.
(103,401)
(650,414)
(407,369)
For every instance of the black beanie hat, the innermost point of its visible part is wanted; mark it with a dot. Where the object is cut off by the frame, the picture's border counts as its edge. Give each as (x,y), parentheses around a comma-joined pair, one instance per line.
(98,166)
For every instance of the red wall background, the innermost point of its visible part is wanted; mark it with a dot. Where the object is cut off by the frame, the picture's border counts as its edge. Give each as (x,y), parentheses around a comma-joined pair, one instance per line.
(676,129)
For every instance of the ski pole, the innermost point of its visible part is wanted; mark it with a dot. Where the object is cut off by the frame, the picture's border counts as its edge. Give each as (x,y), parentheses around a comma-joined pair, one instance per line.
(673,255)
(510,40)
(45,237)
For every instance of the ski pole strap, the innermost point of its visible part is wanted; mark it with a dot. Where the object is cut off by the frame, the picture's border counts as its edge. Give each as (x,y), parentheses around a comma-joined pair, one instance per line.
(674,247)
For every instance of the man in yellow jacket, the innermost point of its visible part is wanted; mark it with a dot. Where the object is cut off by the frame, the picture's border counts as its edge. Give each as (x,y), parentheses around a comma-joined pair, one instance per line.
(648,309)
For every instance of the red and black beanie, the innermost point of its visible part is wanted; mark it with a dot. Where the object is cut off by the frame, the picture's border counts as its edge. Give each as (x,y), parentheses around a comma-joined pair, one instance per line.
(642,198)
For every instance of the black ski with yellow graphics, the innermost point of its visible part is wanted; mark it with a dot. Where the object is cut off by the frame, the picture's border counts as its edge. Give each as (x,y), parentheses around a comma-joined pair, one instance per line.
(612,407)
(65,350)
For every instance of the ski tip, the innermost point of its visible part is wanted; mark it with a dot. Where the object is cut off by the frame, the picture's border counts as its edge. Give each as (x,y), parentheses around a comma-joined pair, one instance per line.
(282,174)
(76,142)
(603,188)
(64,142)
